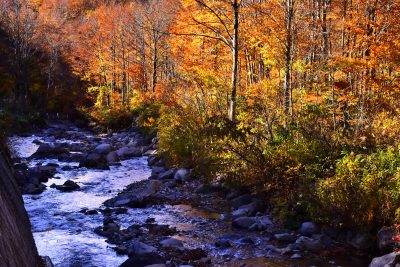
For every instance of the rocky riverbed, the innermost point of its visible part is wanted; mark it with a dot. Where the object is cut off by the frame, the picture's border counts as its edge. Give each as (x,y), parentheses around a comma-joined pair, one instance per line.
(108,200)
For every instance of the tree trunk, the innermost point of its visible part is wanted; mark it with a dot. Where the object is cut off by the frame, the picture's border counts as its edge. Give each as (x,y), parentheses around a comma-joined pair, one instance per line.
(288,56)
(235,57)
(155,63)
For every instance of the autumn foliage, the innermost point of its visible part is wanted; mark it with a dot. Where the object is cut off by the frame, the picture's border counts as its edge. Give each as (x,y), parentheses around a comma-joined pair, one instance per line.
(283,97)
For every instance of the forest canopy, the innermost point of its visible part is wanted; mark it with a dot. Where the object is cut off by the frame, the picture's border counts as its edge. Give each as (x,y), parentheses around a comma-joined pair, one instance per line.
(295,100)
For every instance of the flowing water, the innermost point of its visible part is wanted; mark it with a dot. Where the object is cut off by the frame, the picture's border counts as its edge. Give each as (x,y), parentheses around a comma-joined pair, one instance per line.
(60,229)
(65,234)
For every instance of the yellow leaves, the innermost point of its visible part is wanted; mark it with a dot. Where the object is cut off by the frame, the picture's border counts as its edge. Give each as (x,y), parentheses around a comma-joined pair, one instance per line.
(150,122)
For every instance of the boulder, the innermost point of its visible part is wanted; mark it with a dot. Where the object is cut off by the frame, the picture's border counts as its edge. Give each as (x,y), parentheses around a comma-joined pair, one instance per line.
(37,142)
(129,152)
(77,147)
(33,189)
(308,229)
(95,161)
(143,260)
(112,158)
(250,209)
(44,149)
(244,222)
(136,199)
(40,174)
(136,248)
(388,260)
(306,243)
(171,243)
(103,149)
(262,223)
(68,186)
(182,175)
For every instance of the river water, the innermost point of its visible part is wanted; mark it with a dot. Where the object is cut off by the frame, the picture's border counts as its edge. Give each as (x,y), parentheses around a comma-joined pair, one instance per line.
(60,229)
(65,234)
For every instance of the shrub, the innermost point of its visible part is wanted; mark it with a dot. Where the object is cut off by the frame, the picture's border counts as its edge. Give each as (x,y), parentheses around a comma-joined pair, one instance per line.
(147,116)
(117,117)
(365,189)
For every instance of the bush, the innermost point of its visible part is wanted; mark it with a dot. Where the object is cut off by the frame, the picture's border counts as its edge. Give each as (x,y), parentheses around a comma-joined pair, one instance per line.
(117,117)
(147,116)
(365,189)
(12,122)
(285,171)
(182,139)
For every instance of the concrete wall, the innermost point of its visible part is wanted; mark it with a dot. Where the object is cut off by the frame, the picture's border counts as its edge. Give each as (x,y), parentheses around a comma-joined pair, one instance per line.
(17,247)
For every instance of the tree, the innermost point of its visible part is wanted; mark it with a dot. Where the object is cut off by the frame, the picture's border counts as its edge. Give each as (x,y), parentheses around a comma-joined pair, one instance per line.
(217,20)
(19,20)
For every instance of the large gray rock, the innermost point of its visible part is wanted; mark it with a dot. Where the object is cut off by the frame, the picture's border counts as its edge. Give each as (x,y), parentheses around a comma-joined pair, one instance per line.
(138,198)
(171,243)
(250,209)
(306,243)
(67,186)
(244,222)
(143,260)
(44,149)
(103,149)
(50,151)
(252,223)
(94,160)
(112,158)
(388,260)
(129,152)
(262,223)
(308,228)
(33,189)
(137,248)
(182,175)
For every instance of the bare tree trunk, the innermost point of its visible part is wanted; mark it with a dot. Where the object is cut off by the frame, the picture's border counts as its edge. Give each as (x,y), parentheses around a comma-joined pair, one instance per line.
(235,57)
(155,63)
(288,56)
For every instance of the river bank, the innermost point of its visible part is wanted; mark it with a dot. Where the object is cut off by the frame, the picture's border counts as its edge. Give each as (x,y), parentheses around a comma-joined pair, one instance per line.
(171,218)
